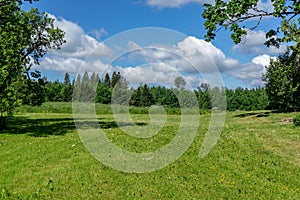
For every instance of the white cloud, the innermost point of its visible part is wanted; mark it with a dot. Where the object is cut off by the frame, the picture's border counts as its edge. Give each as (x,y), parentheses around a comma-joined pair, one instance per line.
(174,3)
(265,5)
(78,43)
(78,47)
(156,74)
(263,60)
(157,63)
(192,58)
(152,73)
(164,68)
(192,55)
(133,46)
(99,33)
(262,5)
(253,43)
(251,73)
(71,65)
(205,56)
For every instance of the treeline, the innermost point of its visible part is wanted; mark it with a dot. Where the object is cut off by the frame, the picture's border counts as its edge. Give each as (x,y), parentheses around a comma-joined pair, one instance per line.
(115,89)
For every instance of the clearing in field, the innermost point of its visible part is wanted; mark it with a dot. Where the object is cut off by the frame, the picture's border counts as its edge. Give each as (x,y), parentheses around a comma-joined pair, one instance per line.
(256,157)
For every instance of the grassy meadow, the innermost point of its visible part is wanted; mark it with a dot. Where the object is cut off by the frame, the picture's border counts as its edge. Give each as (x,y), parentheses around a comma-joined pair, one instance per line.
(42,157)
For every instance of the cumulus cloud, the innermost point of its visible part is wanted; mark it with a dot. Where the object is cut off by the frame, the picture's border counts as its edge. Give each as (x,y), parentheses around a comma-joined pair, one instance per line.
(263,60)
(167,62)
(79,46)
(191,58)
(155,74)
(78,43)
(192,55)
(265,5)
(152,73)
(205,56)
(174,3)
(253,43)
(71,65)
(251,73)
(99,33)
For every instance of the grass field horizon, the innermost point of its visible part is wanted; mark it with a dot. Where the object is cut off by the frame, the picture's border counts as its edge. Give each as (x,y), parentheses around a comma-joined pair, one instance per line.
(42,157)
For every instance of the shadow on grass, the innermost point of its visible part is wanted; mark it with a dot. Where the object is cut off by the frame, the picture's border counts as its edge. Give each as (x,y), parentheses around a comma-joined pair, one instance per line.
(112,124)
(56,126)
(39,127)
(257,114)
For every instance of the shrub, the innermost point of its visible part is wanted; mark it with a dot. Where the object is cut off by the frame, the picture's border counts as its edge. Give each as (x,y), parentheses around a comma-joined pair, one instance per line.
(297,120)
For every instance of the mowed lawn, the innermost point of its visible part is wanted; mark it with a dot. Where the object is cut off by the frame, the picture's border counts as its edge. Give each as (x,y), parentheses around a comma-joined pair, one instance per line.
(256,157)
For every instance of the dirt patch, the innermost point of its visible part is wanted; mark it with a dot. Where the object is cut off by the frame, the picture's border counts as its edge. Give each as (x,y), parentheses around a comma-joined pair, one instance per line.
(287,120)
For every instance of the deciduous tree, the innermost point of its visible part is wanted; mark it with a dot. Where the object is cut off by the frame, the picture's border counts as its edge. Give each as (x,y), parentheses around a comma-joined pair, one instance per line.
(234,14)
(283,82)
(179,82)
(25,37)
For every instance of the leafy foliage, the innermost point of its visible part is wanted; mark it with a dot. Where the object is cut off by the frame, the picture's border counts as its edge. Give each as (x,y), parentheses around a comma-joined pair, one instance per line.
(283,82)
(179,82)
(247,99)
(103,94)
(32,91)
(232,15)
(203,96)
(25,38)
(141,97)
(120,92)
(145,96)
(296,120)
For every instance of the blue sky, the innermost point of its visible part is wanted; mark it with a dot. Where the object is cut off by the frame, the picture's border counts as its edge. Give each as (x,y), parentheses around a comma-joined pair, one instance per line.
(91,28)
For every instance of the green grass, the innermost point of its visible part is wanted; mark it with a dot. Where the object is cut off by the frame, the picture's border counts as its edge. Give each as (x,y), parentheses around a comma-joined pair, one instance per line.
(256,157)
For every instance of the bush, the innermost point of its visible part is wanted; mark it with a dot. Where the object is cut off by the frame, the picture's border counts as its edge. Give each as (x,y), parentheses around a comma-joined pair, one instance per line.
(48,107)
(67,107)
(297,120)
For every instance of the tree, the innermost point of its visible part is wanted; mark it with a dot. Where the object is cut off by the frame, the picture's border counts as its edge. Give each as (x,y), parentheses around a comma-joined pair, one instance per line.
(32,90)
(67,90)
(115,78)
(53,91)
(141,97)
(107,80)
(203,96)
(186,98)
(93,78)
(87,88)
(283,82)
(77,88)
(232,15)
(103,94)
(164,96)
(170,99)
(179,82)
(25,38)
(146,96)
(97,79)
(84,87)
(135,99)
(120,92)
